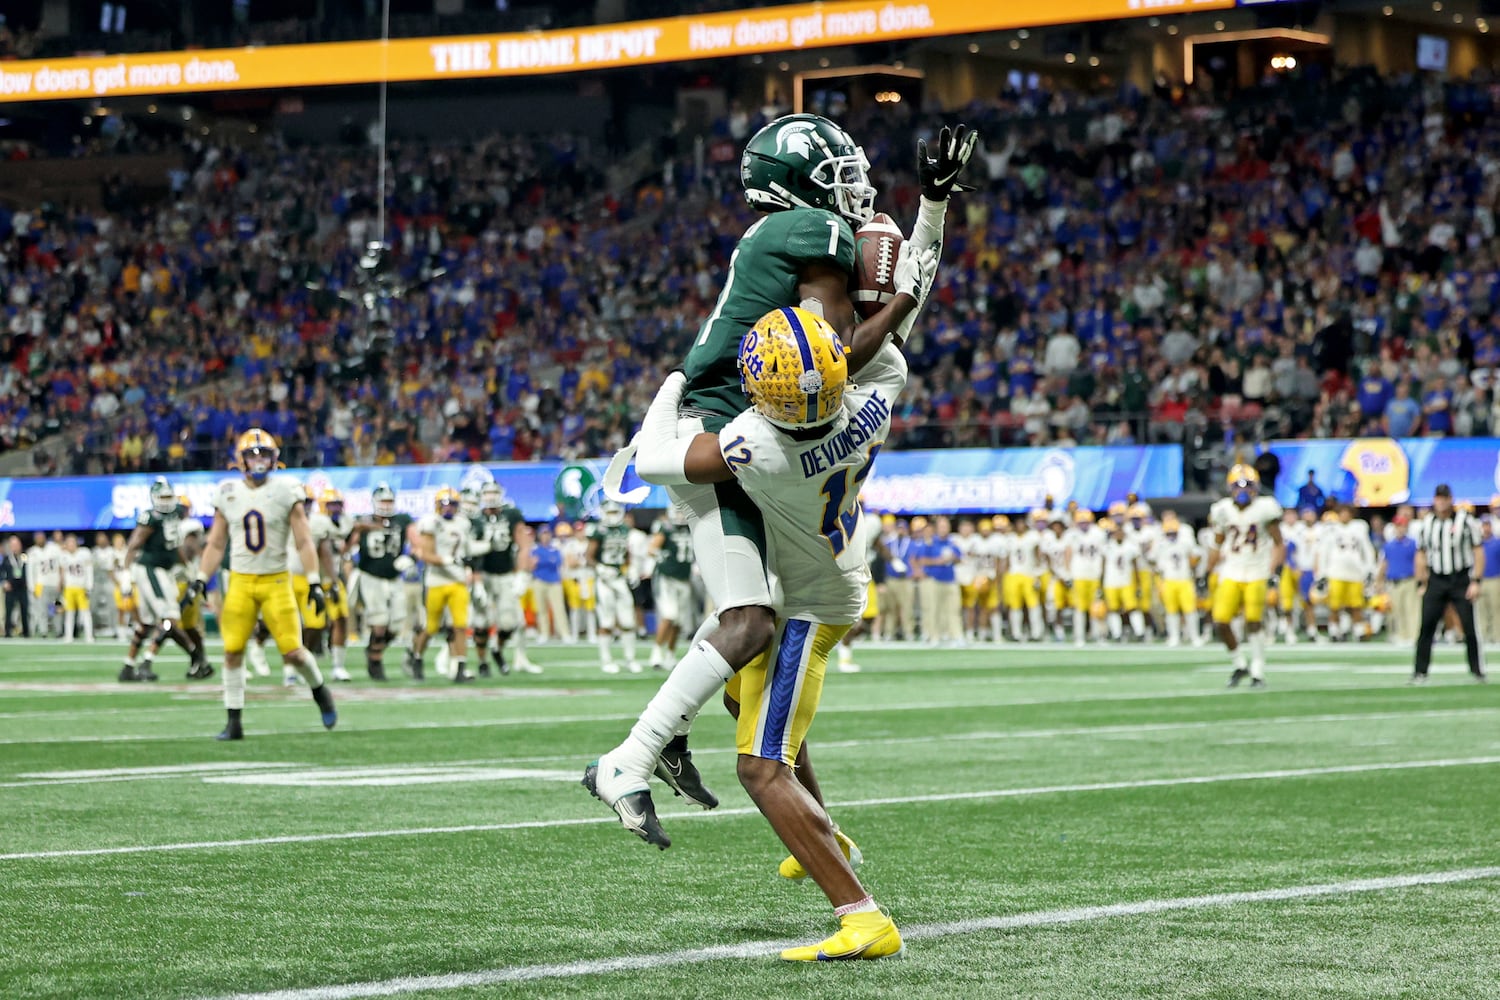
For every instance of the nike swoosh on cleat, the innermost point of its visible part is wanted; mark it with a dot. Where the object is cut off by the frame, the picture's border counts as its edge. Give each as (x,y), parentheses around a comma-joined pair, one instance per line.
(632,819)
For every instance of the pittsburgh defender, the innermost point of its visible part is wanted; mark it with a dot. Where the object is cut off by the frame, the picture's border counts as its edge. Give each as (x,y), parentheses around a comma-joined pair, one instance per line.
(1249,552)
(253,517)
(805,448)
(188,599)
(1122,562)
(501,546)
(379,540)
(1086,564)
(609,555)
(1177,558)
(441,542)
(151,556)
(811,181)
(330,532)
(77,579)
(1346,561)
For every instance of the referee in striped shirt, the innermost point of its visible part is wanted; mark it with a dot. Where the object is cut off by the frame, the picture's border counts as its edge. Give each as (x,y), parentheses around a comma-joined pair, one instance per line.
(1450,564)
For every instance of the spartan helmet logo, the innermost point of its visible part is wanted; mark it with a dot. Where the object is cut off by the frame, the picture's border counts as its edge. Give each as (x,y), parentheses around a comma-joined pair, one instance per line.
(796,138)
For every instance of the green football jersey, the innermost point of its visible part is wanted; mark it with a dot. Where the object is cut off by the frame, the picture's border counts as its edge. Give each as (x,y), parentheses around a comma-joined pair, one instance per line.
(500,531)
(675,558)
(763,275)
(379,547)
(162,547)
(614,544)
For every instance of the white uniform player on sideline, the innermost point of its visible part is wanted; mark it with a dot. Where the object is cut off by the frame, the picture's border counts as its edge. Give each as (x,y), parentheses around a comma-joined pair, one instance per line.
(77,578)
(1177,558)
(45,563)
(801,454)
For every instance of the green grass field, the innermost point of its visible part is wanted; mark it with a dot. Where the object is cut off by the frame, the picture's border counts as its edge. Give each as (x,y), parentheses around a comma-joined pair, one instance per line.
(1101,823)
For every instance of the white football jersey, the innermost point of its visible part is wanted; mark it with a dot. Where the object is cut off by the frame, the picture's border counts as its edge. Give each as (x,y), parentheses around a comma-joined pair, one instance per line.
(324,529)
(1120,559)
(451,540)
(576,559)
(1086,548)
(988,552)
(260,523)
(1025,554)
(78,569)
(1144,537)
(808,492)
(1055,554)
(1245,553)
(46,563)
(967,567)
(1173,556)
(1349,555)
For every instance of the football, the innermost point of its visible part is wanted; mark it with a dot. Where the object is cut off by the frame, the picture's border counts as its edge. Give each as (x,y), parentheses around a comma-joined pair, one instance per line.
(876,247)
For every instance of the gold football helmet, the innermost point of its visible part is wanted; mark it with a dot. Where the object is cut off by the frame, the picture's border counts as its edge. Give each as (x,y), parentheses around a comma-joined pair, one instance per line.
(446,503)
(1083,517)
(792,367)
(257,454)
(329,499)
(1243,482)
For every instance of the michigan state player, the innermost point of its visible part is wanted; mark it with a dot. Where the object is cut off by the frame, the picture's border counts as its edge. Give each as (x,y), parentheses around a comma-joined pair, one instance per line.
(672,540)
(151,558)
(801,454)
(379,541)
(609,555)
(501,544)
(811,181)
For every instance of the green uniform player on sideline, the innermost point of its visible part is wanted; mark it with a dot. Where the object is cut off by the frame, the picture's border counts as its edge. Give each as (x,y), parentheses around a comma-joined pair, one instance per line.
(672,540)
(609,555)
(808,176)
(151,557)
(380,541)
(501,542)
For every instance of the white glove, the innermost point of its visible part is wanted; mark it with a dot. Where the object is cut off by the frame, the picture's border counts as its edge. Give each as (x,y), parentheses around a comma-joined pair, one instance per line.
(898,565)
(523,581)
(404,564)
(915,270)
(126,586)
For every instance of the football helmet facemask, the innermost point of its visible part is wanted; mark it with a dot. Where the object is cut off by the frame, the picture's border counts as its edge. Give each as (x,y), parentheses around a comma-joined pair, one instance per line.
(792,366)
(163,498)
(447,502)
(1244,484)
(257,453)
(491,497)
(806,161)
(383,500)
(331,502)
(611,513)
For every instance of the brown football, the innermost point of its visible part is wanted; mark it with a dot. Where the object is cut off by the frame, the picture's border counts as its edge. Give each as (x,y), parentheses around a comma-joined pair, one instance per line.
(876,246)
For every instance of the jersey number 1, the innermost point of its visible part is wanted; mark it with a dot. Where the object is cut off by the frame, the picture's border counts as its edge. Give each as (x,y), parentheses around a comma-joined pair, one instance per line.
(838,524)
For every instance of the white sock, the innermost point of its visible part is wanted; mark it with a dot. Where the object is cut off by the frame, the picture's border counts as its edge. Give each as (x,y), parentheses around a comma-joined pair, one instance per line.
(1138,624)
(1116,626)
(1080,625)
(234,686)
(1174,630)
(1037,625)
(1191,619)
(605,653)
(1016,620)
(628,641)
(302,661)
(1257,644)
(518,640)
(68,617)
(846,655)
(698,676)
(338,657)
(658,654)
(88,627)
(995,626)
(256,654)
(1346,623)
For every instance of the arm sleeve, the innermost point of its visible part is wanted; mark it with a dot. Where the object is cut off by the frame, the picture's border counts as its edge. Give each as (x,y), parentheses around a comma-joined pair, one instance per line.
(660,454)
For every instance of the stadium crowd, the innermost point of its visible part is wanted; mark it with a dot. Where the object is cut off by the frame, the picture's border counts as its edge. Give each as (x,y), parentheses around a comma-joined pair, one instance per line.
(1139,268)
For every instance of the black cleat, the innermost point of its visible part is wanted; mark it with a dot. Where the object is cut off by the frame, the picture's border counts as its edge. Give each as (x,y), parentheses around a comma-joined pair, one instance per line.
(324,699)
(1240,673)
(636,810)
(201,671)
(484,668)
(145,673)
(128,674)
(500,664)
(377,671)
(231,733)
(1257,682)
(675,767)
(412,666)
(464,677)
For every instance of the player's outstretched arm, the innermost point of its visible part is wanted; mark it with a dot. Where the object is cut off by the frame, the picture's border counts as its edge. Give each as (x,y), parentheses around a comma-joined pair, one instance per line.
(213,548)
(664,458)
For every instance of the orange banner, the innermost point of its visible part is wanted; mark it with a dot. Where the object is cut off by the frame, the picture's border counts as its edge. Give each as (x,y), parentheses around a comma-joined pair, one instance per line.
(774,29)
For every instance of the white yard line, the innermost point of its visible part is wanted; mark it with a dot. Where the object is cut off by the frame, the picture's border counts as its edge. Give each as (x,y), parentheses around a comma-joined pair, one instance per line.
(38,779)
(915,932)
(542,824)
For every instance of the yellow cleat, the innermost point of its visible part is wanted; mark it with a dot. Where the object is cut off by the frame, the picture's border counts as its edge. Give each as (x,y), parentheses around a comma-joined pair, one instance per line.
(792,868)
(861,936)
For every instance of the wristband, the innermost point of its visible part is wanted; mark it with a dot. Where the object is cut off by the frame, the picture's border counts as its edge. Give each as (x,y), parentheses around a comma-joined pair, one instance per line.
(314,580)
(200,576)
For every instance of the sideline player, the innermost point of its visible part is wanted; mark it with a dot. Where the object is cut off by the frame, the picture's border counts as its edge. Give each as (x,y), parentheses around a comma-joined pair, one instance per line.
(379,540)
(812,182)
(253,517)
(76,578)
(441,541)
(1248,552)
(330,532)
(806,446)
(1177,559)
(1086,564)
(672,540)
(188,599)
(609,555)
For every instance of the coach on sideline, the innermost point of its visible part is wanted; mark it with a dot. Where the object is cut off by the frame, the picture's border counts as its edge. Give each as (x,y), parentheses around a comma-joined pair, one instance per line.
(1450,563)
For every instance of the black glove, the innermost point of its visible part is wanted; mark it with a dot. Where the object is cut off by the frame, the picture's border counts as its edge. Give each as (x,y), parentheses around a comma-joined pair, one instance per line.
(197,591)
(316,598)
(336,590)
(938,175)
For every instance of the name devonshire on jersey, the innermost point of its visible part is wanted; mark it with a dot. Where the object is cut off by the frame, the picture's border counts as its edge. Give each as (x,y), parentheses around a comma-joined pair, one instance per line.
(865,423)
